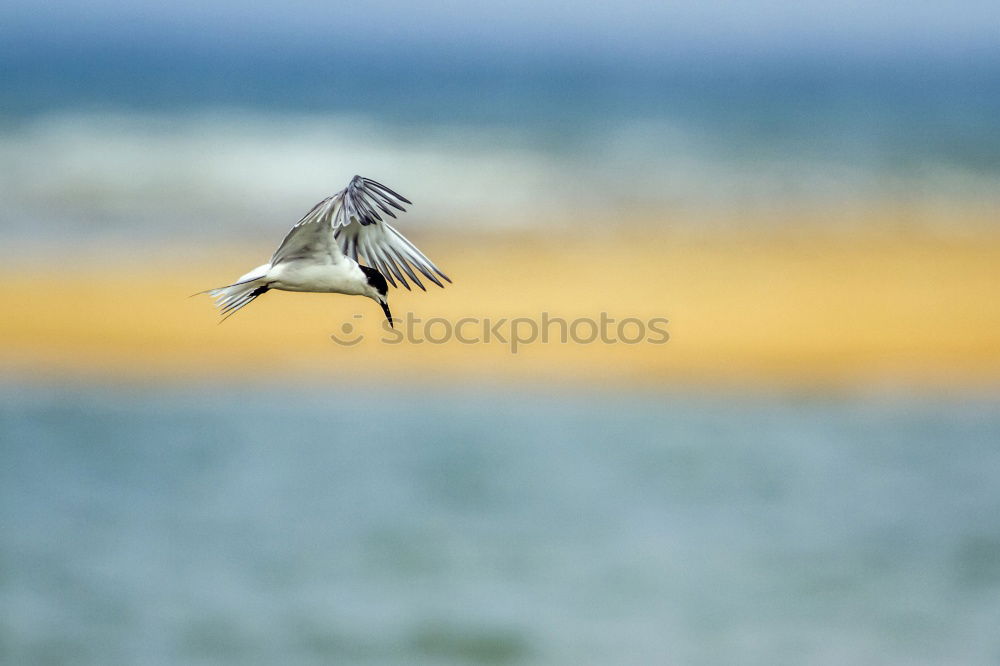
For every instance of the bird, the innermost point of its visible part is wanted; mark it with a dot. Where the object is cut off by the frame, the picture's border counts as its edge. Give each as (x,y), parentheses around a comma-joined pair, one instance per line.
(321,253)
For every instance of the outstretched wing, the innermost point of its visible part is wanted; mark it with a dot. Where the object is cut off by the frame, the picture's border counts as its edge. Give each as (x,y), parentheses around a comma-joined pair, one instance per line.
(312,237)
(359,229)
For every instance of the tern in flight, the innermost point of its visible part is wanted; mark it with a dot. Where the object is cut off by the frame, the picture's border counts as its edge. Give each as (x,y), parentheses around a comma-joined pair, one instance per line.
(321,252)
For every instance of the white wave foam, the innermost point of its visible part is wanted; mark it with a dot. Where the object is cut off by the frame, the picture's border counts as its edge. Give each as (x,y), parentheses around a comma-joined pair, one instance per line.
(163,174)
(237,169)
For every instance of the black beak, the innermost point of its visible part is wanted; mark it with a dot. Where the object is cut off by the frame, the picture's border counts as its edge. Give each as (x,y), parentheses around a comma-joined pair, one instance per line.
(388,315)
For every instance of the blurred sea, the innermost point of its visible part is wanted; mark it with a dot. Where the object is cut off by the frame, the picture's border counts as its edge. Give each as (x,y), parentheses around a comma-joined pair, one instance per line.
(101,141)
(461,523)
(314,525)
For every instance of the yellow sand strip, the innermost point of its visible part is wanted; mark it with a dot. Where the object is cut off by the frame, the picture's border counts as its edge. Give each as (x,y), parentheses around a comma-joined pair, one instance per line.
(807,311)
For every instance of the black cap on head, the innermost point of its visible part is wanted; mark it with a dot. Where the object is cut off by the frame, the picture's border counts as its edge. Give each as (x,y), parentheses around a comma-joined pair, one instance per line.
(376,279)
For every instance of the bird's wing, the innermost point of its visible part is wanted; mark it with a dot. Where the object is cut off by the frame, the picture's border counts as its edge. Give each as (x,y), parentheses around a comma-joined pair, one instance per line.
(359,229)
(311,239)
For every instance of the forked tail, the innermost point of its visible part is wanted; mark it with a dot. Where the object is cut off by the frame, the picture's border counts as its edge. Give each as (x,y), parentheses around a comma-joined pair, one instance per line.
(233,297)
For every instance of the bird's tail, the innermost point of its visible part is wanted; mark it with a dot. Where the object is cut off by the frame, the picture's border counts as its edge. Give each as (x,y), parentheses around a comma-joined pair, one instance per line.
(241,293)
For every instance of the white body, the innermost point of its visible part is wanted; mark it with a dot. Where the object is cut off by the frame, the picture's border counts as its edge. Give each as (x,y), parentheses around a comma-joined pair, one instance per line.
(321,251)
(344,277)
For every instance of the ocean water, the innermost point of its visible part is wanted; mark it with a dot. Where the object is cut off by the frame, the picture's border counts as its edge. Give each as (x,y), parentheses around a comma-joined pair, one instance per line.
(163,140)
(373,524)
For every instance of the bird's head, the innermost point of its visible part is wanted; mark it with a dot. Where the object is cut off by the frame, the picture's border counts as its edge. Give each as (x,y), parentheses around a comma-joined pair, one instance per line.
(377,289)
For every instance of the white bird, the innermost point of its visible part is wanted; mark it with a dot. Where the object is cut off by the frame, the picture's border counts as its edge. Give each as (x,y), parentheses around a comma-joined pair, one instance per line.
(321,251)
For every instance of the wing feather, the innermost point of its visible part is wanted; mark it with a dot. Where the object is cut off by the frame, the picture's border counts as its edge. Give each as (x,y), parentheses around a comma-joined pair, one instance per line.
(360,230)
(396,267)
(312,237)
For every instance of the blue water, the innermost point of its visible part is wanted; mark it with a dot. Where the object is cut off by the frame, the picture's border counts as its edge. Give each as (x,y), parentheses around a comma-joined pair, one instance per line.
(154,136)
(316,525)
